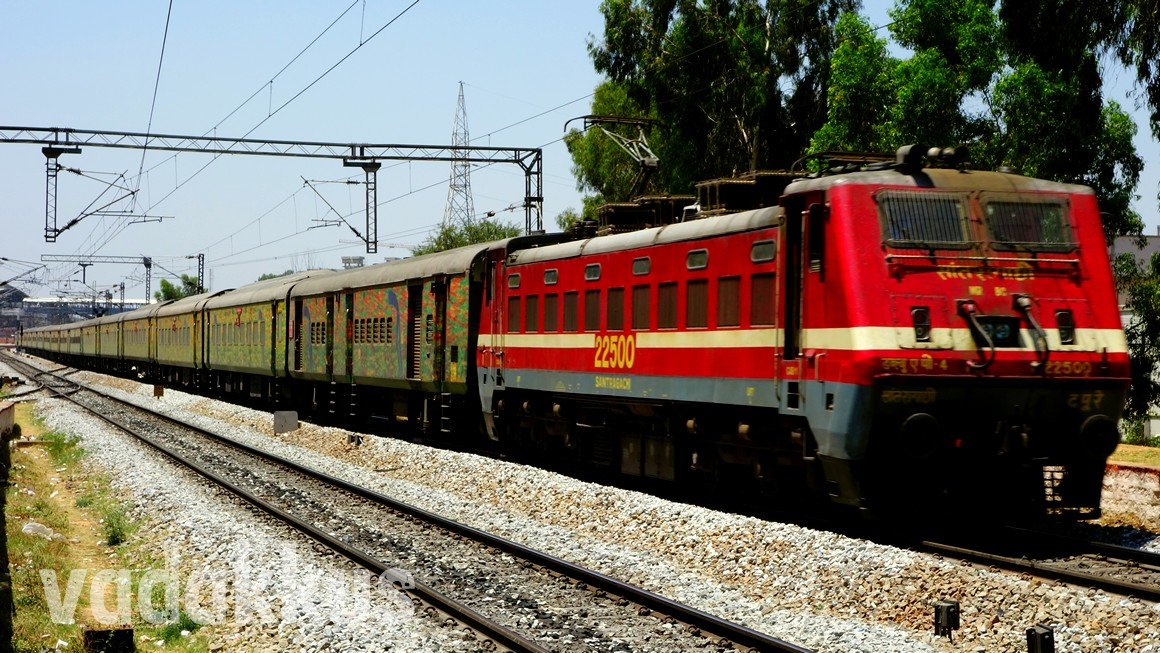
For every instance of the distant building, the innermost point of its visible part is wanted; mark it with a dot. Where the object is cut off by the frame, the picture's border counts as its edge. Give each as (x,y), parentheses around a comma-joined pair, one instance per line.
(10,301)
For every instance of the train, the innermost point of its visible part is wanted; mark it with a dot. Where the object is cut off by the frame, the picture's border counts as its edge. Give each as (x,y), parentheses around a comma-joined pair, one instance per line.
(883,333)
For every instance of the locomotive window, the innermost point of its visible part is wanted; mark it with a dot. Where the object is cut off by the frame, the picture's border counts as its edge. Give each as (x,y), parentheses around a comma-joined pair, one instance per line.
(697,304)
(1021,223)
(762,251)
(551,313)
(615,318)
(924,219)
(667,306)
(551,277)
(513,314)
(761,311)
(514,280)
(640,307)
(571,306)
(729,302)
(592,310)
(592,272)
(698,259)
(532,313)
(641,266)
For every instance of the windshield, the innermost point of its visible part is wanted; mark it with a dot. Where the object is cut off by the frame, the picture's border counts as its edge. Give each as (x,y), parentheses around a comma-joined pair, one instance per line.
(1032,224)
(924,219)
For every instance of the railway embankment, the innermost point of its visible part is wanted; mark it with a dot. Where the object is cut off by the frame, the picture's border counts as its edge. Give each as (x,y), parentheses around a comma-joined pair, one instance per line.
(820,589)
(194,569)
(1132,497)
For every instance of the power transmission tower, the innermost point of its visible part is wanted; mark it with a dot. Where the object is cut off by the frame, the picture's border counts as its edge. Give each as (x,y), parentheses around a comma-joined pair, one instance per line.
(459,209)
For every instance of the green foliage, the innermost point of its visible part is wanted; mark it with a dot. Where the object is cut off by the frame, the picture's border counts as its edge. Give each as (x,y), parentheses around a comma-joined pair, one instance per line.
(63,449)
(170,290)
(601,167)
(273,275)
(733,85)
(468,233)
(861,91)
(171,631)
(1141,283)
(567,218)
(116,526)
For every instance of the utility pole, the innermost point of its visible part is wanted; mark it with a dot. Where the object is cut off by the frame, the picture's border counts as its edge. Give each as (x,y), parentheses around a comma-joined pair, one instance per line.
(200,272)
(459,209)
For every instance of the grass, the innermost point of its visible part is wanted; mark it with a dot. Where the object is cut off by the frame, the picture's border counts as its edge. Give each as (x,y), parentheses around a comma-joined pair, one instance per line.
(171,632)
(30,497)
(1137,454)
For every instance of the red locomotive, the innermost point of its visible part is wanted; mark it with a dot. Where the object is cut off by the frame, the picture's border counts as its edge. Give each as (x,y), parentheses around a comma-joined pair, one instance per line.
(889,333)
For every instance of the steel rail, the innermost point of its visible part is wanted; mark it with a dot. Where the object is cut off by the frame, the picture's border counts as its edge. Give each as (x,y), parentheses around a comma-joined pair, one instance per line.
(497,632)
(1053,570)
(737,633)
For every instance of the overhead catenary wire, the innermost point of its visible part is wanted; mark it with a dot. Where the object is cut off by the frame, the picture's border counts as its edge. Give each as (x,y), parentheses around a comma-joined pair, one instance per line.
(271,114)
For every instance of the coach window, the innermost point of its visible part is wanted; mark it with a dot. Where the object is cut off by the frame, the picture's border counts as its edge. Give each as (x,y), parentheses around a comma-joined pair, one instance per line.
(388,330)
(513,316)
(592,272)
(641,266)
(551,313)
(762,251)
(667,306)
(729,302)
(761,302)
(592,310)
(614,320)
(697,304)
(551,277)
(697,259)
(532,313)
(571,306)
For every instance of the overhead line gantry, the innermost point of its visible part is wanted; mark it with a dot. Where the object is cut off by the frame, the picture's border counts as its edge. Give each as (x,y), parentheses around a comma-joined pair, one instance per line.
(57,141)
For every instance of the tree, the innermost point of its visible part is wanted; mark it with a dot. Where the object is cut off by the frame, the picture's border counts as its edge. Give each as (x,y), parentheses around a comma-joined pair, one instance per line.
(566,218)
(733,85)
(274,275)
(1141,284)
(450,236)
(171,290)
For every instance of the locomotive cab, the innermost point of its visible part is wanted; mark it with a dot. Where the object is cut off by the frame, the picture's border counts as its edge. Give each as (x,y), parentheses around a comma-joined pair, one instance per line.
(952,335)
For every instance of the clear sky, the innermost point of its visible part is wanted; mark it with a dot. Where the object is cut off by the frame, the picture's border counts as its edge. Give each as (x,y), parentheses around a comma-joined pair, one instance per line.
(93,66)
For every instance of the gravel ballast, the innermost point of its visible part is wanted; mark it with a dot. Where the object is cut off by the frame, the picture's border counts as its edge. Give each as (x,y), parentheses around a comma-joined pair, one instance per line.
(817,589)
(261,586)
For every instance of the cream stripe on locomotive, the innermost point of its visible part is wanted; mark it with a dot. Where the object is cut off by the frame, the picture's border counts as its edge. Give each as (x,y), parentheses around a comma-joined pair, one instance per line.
(958,339)
(855,339)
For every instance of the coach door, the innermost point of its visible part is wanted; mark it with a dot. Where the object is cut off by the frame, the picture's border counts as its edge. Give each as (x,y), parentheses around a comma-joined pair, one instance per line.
(414,331)
(296,334)
(348,348)
(329,337)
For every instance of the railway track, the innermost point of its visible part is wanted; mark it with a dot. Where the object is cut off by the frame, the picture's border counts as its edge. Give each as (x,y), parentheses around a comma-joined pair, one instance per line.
(584,610)
(1077,561)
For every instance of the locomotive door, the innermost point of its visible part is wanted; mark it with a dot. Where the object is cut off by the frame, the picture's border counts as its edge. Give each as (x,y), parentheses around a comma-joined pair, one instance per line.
(792,276)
